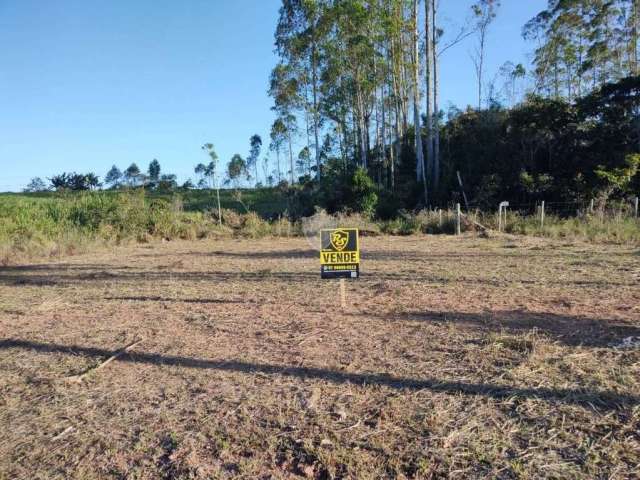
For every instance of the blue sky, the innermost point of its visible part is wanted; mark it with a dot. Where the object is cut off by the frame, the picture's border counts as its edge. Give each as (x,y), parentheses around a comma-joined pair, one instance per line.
(85,84)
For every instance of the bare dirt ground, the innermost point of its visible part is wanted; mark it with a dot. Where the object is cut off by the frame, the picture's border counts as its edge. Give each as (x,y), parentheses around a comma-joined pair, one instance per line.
(457,358)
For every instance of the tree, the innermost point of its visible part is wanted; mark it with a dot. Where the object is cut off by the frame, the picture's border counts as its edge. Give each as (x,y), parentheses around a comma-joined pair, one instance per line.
(278,138)
(511,74)
(583,44)
(209,171)
(304,161)
(36,185)
(265,169)
(420,166)
(485,12)
(75,181)
(619,178)
(167,182)
(113,177)
(255,144)
(132,175)
(290,128)
(92,181)
(236,169)
(154,171)
(299,36)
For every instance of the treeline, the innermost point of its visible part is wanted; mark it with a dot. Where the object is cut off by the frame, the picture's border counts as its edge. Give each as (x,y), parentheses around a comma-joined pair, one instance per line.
(132,177)
(239,172)
(359,123)
(356,77)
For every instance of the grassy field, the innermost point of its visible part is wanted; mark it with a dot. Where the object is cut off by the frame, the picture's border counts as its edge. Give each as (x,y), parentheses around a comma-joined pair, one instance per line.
(457,357)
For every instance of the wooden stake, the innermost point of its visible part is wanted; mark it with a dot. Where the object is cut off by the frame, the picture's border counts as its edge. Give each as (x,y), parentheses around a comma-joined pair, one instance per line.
(458,219)
(440,216)
(542,215)
(82,376)
(343,294)
(504,223)
(636,207)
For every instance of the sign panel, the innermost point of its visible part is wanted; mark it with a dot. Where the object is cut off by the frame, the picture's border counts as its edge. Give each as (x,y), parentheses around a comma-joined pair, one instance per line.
(339,253)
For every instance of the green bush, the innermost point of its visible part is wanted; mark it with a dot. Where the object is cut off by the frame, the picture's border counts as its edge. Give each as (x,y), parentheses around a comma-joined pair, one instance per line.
(363,193)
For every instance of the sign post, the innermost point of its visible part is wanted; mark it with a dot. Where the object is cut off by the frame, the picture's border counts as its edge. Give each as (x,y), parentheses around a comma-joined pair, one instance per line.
(340,256)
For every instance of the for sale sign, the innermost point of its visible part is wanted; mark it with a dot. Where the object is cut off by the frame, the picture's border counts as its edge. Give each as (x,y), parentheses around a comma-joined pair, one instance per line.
(339,253)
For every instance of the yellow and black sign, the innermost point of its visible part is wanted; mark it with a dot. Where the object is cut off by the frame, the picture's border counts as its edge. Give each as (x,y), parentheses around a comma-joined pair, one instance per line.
(339,253)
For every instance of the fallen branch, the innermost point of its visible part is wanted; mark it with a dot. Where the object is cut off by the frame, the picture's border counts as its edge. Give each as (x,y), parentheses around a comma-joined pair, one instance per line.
(63,433)
(479,225)
(82,376)
(310,336)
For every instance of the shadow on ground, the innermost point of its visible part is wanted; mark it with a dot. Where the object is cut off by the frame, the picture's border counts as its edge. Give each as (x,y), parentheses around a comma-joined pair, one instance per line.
(149,298)
(608,400)
(571,330)
(56,274)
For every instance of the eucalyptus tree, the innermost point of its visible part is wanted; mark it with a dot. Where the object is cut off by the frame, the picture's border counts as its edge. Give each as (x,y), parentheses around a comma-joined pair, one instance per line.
(113,177)
(298,39)
(236,169)
(278,138)
(255,145)
(289,125)
(36,185)
(132,175)
(304,161)
(154,171)
(420,166)
(436,46)
(485,12)
(583,44)
(208,171)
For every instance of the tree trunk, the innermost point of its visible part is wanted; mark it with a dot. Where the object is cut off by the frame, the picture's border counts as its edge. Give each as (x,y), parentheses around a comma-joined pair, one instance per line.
(480,68)
(633,44)
(420,170)
(314,75)
(429,89)
(436,87)
(290,157)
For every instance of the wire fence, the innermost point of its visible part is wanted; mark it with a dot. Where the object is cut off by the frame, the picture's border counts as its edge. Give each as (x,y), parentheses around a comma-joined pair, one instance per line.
(538,217)
(621,208)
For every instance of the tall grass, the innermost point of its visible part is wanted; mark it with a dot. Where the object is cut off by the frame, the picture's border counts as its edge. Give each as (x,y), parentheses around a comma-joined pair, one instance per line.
(595,228)
(72,223)
(609,227)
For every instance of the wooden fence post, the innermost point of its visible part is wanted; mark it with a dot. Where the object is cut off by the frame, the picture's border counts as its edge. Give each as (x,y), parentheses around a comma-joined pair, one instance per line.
(458,219)
(502,207)
(542,215)
(591,206)
(636,207)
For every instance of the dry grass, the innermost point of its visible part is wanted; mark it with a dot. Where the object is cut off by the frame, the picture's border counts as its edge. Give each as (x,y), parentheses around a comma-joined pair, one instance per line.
(458,358)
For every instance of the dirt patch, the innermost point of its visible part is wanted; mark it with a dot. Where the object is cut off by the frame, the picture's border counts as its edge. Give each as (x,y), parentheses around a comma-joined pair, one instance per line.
(457,358)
